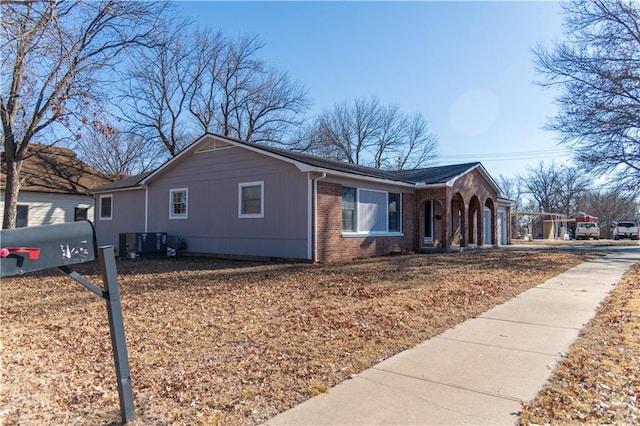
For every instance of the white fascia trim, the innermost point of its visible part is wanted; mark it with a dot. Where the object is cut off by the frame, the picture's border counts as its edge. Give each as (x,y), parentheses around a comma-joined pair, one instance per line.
(109,191)
(429,186)
(355,176)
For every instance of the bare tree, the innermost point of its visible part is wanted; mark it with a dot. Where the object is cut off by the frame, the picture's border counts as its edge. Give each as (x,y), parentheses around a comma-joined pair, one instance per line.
(555,189)
(269,108)
(365,132)
(53,56)
(209,59)
(330,136)
(511,188)
(350,128)
(258,103)
(119,154)
(390,134)
(597,69)
(609,206)
(192,83)
(420,146)
(161,82)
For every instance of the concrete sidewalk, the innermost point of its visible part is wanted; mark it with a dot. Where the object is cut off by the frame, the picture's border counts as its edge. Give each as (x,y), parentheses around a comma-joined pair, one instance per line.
(479,371)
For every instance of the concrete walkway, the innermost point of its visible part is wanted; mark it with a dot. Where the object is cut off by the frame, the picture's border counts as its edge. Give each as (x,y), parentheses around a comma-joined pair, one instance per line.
(479,371)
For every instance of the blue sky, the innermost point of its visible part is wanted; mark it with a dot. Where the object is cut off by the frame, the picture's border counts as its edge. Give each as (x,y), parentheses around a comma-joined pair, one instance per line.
(466,66)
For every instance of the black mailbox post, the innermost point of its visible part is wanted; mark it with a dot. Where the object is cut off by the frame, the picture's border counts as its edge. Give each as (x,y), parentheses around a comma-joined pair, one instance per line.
(36,248)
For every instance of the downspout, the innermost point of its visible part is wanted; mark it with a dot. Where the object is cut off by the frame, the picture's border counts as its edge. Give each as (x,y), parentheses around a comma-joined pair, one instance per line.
(146,208)
(315,216)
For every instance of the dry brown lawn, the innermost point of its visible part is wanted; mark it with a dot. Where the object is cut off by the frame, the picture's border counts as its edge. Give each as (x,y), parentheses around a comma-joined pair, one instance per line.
(599,380)
(226,342)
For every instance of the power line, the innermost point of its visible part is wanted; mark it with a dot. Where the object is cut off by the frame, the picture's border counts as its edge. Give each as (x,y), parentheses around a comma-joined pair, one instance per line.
(503,156)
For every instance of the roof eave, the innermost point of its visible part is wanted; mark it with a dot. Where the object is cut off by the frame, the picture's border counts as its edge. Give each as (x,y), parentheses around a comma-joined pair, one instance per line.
(356,176)
(135,187)
(423,185)
(301,166)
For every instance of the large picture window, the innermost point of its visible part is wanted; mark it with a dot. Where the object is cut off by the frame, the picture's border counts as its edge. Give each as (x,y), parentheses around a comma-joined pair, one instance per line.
(106,207)
(372,211)
(251,200)
(178,203)
(366,211)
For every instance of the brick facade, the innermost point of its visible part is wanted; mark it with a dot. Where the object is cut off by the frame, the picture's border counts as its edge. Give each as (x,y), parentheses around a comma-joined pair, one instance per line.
(458,211)
(333,246)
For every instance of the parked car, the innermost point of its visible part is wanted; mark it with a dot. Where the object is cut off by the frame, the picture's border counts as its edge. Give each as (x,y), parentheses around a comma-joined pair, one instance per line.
(626,229)
(587,230)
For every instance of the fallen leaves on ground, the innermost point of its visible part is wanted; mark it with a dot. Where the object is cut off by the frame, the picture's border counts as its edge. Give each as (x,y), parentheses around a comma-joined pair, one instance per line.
(598,382)
(221,342)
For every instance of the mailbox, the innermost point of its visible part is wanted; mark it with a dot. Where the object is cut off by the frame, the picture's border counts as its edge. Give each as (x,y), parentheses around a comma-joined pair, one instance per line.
(49,246)
(32,249)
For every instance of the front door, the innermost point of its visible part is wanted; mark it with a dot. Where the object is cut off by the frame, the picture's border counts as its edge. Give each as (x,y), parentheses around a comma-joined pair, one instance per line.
(428,221)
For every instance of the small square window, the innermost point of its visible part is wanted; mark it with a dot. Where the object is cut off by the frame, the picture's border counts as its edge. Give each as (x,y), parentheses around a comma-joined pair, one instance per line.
(22,218)
(251,200)
(178,200)
(106,207)
(80,213)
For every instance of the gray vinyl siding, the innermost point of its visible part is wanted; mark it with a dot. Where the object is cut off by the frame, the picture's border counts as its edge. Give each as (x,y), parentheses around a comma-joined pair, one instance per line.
(213,224)
(127,216)
(50,209)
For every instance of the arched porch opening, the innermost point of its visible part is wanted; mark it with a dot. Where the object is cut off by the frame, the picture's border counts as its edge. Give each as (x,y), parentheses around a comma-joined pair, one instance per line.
(475,222)
(490,222)
(457,220)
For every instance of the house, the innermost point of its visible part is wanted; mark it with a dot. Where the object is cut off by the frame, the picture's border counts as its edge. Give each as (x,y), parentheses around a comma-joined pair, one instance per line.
(54,186)
(224,196)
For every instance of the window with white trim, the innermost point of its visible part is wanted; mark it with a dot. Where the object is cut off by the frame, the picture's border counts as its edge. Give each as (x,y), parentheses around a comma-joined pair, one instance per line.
(367,211)
(178,203)
(251,200)
(106,207)
(395,219)
(349,209)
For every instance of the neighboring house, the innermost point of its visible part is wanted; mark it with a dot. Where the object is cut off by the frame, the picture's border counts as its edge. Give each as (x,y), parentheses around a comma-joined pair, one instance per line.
(228,197)
(53,186)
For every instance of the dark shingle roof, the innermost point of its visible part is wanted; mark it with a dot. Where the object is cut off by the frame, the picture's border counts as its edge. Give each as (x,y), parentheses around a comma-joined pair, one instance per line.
(433,175)
(427,176)
(128,182)
(324,163)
